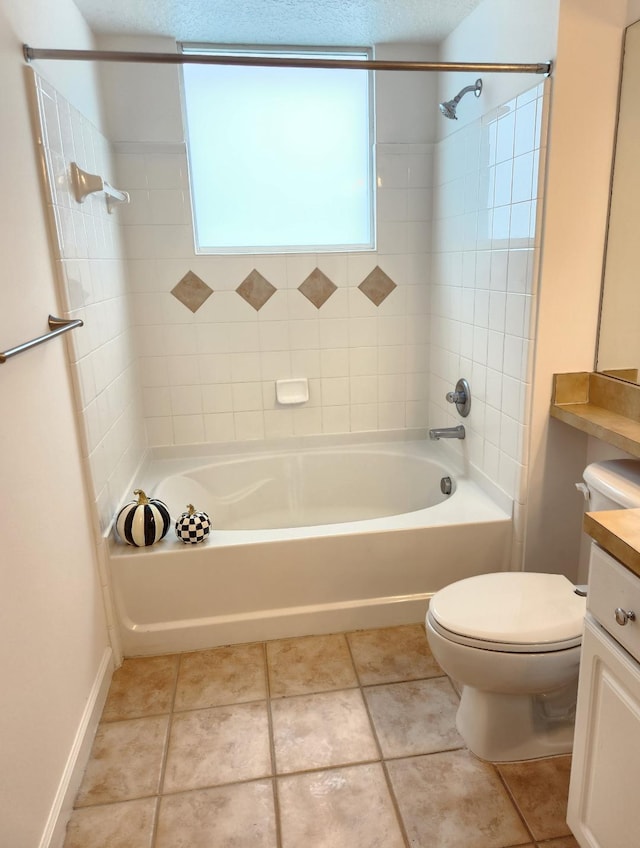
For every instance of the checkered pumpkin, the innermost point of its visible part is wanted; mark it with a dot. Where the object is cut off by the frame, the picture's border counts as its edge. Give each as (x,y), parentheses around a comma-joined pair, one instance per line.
(143,522)
(193,526)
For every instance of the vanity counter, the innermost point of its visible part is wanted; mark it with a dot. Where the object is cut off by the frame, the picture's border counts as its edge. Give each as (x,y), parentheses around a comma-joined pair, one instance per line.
(618,532)
(601,406)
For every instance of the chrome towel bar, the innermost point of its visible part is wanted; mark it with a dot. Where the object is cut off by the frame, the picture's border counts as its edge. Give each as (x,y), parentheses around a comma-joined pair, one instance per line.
(57,326)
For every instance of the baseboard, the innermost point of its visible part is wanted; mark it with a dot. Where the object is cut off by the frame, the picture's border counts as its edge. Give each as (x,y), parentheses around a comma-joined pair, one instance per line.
(55,830)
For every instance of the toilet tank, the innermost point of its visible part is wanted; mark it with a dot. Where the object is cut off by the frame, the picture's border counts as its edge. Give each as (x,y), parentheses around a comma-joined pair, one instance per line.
(613,484)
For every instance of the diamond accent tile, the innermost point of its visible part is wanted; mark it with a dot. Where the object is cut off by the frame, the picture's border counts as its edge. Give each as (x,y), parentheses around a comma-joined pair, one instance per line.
(317,288)
(191,291)
(377,286)
(255,290)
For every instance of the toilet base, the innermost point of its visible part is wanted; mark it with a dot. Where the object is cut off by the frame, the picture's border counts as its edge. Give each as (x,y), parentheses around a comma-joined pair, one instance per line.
(505,728)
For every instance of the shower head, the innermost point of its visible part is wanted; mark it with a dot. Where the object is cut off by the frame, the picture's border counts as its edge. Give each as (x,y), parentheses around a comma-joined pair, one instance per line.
(448,108)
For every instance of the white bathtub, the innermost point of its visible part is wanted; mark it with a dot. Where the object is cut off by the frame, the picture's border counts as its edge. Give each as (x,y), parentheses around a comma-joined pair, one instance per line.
(303,541)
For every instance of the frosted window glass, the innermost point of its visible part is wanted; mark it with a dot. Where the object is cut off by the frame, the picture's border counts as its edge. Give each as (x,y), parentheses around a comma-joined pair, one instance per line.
(279,158)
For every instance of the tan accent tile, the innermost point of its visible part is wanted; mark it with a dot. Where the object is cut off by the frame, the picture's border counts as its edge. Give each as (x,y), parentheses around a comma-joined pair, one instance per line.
(317,731)
(563,842)
(141,687)
(377,286)
(125,761)
(309,664)
(125,825)
(230,675)
(418,717)
(392,654)
(317,288)
(191,291)
(256,290)
(341,808)
(540,788)
(453,799)
(219,745)
(231,816)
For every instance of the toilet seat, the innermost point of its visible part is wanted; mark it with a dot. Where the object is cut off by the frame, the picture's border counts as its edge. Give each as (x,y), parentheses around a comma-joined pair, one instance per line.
(513,612)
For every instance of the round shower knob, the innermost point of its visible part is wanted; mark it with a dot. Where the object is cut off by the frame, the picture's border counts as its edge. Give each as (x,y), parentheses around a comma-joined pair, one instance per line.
(461,397)
(624,616)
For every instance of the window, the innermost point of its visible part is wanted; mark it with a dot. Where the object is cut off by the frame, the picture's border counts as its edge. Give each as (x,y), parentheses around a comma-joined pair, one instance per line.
(280,159)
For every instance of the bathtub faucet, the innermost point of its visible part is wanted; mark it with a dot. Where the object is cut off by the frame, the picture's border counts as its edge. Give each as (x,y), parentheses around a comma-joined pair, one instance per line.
(447,432)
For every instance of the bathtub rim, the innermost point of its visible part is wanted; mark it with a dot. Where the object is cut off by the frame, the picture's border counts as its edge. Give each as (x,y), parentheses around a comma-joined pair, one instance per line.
(170,460)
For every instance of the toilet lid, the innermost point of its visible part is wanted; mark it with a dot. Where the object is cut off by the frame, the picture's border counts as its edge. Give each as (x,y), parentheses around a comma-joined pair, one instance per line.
(512,608)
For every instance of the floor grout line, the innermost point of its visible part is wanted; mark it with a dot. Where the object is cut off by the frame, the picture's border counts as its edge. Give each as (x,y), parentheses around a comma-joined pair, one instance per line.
(274,776)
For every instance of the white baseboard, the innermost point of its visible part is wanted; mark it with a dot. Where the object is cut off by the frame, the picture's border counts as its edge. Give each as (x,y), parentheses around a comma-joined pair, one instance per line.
(55,830)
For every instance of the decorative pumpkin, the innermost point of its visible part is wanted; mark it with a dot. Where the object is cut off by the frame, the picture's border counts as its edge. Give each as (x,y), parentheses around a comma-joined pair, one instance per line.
(193,526)
(143,522)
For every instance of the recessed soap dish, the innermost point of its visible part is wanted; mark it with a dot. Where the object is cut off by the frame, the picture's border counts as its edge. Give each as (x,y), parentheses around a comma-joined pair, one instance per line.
(292,391)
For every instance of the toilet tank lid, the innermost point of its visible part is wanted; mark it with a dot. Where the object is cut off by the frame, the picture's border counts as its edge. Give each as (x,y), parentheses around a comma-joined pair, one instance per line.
(511,607)
(616,479)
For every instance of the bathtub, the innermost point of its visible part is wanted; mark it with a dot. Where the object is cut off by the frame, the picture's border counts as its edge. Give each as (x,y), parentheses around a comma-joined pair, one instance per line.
(316,539)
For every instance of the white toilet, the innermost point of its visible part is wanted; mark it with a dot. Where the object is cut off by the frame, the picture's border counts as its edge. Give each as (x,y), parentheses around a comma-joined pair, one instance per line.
(512,641)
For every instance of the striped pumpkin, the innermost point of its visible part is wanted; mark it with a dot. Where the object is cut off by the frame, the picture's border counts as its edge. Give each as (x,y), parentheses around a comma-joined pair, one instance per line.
(143,522)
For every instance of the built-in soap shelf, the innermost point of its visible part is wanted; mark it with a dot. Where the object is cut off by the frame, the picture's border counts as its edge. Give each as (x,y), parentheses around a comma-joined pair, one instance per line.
(85,184)
(294,391)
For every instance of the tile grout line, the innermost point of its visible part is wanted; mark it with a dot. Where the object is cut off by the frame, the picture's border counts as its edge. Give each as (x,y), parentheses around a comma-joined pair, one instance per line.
(513,801)
(165,752)
(272,749)
(387,778)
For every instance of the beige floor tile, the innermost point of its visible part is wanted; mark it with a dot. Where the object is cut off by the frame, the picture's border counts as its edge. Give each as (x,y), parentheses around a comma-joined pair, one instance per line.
(418,717)
(141,687)
(125,825)
(310,664)
(240,816)
(125,761)
(540,788)
(230,675)
(392,654)
(218,745)
(562,842)
(317,731)
(452,799)
(342,808)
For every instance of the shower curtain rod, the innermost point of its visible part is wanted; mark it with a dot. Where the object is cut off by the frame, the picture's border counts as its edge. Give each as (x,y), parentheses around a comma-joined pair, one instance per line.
(32,53)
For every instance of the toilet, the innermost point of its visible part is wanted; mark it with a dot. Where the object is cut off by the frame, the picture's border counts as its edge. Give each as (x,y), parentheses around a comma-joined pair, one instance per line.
(511,641)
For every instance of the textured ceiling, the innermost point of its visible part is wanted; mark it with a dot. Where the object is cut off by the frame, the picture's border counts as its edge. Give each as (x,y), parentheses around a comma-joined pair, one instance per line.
(326,22)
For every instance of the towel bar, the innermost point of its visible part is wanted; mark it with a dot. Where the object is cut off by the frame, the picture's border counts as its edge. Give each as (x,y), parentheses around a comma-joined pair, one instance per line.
(57,327)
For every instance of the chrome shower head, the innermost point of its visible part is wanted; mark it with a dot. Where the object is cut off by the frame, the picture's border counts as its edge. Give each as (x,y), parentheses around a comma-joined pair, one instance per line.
(448,108)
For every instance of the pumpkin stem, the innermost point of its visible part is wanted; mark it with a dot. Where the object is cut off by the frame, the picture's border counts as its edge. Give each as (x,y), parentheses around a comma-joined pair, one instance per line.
(191,509)
(142,498)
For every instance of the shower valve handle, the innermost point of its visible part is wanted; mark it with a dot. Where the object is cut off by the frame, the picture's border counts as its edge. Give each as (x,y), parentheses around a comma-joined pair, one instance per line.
(461,397)
(456,397)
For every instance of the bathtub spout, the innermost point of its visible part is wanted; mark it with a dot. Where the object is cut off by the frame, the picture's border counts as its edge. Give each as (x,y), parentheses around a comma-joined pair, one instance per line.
(447,432)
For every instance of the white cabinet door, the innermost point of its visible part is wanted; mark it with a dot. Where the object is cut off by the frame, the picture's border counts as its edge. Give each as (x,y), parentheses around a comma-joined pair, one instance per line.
(604,796)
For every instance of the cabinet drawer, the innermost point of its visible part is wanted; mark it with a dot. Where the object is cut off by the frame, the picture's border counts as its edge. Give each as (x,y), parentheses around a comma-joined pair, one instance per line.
(612,587)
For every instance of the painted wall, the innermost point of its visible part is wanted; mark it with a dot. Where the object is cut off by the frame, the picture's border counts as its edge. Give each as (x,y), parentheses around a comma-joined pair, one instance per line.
(580,152)
(53,638)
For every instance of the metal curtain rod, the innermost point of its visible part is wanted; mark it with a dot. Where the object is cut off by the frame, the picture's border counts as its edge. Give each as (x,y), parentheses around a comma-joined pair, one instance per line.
(31,53)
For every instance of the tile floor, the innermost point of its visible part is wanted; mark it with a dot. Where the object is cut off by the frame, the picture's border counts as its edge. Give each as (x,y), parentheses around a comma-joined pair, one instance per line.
(340,741)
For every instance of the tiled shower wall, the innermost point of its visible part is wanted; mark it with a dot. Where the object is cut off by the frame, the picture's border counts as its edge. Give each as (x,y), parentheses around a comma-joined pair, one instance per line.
(209,375)
(487,200)
(93,287)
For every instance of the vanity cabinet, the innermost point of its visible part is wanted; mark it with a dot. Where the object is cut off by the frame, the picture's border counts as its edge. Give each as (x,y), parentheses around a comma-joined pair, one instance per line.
(604,794)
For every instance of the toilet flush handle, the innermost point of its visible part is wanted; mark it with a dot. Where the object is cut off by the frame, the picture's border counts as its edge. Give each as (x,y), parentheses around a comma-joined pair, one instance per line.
(582,487)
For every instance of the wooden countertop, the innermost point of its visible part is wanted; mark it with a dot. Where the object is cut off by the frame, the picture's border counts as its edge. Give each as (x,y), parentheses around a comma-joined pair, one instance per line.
(618,532)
